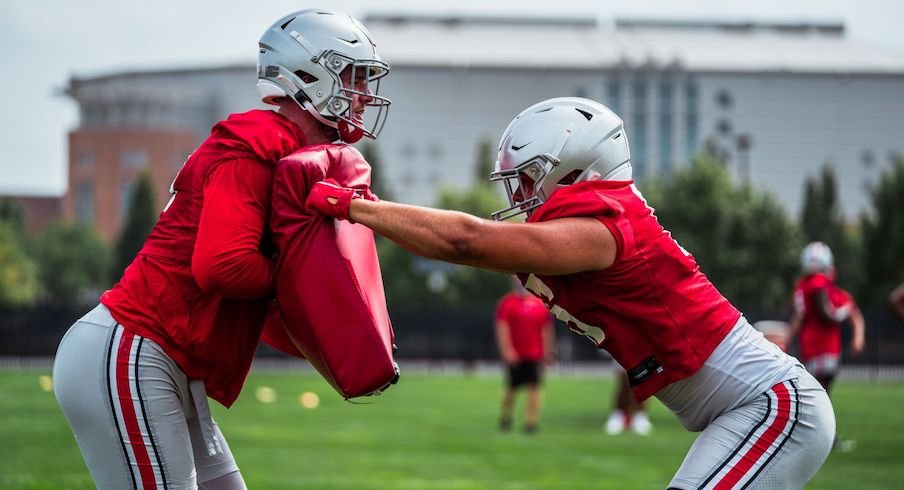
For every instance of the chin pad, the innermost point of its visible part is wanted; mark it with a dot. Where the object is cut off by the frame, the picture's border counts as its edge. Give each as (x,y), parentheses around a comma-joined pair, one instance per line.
(349,133)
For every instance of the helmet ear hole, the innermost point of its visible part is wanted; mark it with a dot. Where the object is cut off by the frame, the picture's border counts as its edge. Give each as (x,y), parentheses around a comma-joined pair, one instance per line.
(570,178)
(306,77)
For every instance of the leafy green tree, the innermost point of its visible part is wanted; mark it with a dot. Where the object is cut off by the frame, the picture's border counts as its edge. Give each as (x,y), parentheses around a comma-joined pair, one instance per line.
(742,238)
(883,237)
(486,162)
(377,172)
(12,214)
(73,262)
(822,220)
(18,273)
(140,218)
(414,281)
(406,284)
(468,285)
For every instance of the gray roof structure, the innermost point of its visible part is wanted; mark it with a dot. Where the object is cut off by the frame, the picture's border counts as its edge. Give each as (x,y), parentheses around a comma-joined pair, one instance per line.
(584,43)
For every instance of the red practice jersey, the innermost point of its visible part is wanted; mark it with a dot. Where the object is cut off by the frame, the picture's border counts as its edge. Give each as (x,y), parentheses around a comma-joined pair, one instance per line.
(653,310)
(200,285)
(820,324)
(526,317)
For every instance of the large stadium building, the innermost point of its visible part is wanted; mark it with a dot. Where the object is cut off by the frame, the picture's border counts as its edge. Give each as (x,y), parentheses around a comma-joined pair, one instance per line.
(778,100)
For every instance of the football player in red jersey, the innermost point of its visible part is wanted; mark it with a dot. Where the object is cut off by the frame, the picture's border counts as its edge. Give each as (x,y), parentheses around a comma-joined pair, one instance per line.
(133,375)
(594,252)
(526,340)
(820,307)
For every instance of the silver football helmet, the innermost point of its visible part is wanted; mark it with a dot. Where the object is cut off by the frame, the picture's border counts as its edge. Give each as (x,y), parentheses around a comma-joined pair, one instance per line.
(303,56)
(556,143)
(816,257)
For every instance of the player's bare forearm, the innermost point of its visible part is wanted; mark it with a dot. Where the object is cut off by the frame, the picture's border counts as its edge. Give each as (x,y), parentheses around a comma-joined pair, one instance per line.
(434,233)
(460,238)
(858,338)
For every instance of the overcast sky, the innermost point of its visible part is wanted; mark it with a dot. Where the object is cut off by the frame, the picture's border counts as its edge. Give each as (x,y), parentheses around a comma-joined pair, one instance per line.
(45,42)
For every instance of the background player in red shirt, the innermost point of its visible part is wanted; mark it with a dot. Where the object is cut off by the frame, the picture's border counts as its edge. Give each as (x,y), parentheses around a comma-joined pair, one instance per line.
(133,375)
(593,251)
(820,307)
(526,340)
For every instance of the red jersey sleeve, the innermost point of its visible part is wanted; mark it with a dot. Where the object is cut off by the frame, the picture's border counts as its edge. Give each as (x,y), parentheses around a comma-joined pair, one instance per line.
(227,257)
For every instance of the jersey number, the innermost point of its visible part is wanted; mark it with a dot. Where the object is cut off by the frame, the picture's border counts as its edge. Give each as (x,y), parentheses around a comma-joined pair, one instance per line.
(542,291)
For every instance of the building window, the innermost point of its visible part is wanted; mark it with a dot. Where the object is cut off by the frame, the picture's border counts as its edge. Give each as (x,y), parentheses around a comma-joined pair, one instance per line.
(639,117)
(92,114)
(407,151)
(613,95)
(133,159)
(435,178)
(84,159)
(84,202)
(666,122)
(724,99)
(691,120)
(436,152)
(126,189)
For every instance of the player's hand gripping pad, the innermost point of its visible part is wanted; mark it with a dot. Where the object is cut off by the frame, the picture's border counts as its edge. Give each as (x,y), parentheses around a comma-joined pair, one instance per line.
(328,282)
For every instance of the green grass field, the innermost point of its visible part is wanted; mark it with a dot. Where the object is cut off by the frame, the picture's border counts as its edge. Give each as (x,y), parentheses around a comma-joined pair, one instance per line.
(439,432)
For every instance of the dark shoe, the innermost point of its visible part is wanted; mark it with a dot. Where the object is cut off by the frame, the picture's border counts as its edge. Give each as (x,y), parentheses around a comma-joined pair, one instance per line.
(505,425)
(531,429)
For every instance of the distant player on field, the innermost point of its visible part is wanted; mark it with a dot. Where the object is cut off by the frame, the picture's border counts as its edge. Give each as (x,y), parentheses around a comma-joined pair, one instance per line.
(526,340)
(133,375)
(627,412)
(820,308)
(594,252)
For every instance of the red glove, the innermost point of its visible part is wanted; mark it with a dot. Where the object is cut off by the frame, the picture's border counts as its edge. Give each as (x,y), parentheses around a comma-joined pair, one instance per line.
(329,198)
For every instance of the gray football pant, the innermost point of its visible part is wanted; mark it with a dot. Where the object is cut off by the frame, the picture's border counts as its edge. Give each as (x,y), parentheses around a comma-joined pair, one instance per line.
(776,441)
(133,413)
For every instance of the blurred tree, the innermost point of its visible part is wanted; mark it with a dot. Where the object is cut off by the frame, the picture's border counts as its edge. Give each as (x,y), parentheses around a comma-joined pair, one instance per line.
(12,214)
(822,220)
(468,285)
(883,237)
(405,284)
(141,215)
(413,281)
(377,172)
(486,162)
(73,262)
(18,273)
(742,239)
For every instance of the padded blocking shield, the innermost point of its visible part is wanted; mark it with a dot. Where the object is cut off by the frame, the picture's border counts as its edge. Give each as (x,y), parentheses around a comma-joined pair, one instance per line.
(328,282)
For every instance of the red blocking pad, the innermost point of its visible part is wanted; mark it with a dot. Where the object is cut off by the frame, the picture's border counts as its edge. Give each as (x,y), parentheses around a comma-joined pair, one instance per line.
(328,282)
